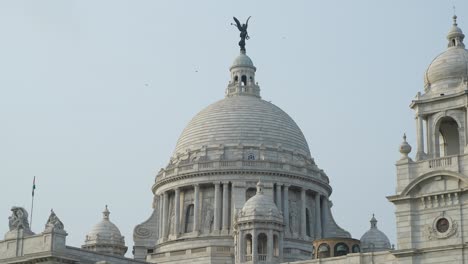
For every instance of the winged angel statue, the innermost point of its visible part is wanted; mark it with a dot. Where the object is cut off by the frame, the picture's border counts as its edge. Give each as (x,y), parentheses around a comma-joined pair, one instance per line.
(243,32)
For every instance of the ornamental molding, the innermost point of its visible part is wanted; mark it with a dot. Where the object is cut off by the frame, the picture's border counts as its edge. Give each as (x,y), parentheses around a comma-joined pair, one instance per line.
(431,230)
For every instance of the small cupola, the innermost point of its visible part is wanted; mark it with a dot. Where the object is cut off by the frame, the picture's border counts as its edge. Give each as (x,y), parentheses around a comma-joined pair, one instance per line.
(243,77)
(455,35)
(105,237)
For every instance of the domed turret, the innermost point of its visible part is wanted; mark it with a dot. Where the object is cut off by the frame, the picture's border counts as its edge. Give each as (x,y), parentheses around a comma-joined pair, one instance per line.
(449,70)
(258,229)
(261,206)
(105,237)
(374,239)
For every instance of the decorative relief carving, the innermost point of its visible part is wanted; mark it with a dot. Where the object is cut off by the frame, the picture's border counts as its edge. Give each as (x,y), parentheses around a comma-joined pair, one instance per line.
(442,227)
(293,217)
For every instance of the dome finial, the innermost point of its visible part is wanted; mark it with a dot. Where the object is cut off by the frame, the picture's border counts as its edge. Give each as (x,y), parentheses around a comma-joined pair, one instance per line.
(455,35)
(373,222)
(259,187)
(405,148)
(106,213)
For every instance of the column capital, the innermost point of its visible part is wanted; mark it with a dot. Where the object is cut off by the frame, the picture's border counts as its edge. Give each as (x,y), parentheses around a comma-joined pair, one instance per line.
(177,189)
(287,185)
(225,182)
(196,185)
(216,183)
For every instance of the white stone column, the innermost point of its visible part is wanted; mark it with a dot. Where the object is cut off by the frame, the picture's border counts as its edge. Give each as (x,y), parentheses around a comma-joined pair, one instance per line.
(225,207)
(420,155)
(240,247)
(165,210)
(177,212)
(160,215)
(286,209)
(318,217)
(466,130)
(217,207)
(270,246)
(280,246)
(254,246)
(325,209)
(278,197)
(303,213)
(196,208)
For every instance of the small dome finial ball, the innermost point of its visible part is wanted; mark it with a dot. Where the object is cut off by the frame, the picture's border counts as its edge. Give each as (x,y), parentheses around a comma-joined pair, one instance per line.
(405,148)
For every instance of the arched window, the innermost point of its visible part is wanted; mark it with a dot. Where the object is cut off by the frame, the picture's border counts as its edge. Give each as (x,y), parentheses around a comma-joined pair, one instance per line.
(243,80)
(449,139)
(248,247)
(356,249)
(308,222)
(275,246)
(341,249)
(236,79)
(249,193)
(262,247)
(323,251)
(189,218)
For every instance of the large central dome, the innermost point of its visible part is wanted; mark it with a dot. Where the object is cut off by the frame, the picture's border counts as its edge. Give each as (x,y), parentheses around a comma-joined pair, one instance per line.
(246,120)
(242,118)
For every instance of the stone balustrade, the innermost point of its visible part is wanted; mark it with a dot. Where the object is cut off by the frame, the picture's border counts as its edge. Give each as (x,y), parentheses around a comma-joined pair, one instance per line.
(178,169)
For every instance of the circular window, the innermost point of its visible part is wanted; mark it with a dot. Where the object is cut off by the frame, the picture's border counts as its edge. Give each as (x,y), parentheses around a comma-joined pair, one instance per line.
(251,156)
(442,225)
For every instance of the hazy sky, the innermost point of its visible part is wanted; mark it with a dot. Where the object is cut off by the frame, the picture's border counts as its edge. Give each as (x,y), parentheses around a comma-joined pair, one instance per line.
(94,94)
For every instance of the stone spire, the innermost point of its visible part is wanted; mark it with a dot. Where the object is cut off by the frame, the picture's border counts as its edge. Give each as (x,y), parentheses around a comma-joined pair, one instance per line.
(455,36)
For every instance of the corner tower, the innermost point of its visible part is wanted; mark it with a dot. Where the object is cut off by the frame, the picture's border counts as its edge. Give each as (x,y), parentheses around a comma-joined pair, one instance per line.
(431,191)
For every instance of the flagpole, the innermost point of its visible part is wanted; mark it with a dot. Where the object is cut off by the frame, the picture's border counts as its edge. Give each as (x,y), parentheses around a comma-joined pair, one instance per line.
(32,202)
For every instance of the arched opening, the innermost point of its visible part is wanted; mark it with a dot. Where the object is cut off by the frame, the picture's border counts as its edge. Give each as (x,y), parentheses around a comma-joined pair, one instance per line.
(341,249)
(243,80)
(454,42)
(323,251)
(236,79)
(308,222)
(275,246)
(249,193)
(189,218)
(356,249)
(262,247)
(248,247)
(449,139)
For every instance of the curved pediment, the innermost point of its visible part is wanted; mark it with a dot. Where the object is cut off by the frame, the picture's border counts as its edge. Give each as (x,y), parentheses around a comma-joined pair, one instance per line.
(435,182)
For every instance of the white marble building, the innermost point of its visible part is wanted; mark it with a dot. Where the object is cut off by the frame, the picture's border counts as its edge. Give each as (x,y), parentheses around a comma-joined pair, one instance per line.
(219,158)
(241,187)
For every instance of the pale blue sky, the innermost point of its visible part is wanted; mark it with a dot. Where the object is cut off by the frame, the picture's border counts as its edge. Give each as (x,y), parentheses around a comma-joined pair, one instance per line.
(94,94)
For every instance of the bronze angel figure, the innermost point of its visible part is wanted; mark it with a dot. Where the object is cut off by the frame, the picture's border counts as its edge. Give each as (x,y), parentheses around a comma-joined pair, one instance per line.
(243,32)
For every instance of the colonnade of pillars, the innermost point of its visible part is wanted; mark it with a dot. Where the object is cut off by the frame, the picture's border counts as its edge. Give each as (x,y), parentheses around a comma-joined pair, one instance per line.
(260,245)
(321,204)
(220,213)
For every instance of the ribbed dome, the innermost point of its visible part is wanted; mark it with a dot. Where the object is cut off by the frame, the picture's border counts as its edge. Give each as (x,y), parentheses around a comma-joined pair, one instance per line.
(242,61)
(374,239)
(105,237)
(450,68)
(451,64)
(244,120)
(260,206)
